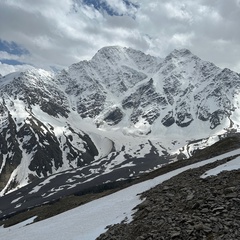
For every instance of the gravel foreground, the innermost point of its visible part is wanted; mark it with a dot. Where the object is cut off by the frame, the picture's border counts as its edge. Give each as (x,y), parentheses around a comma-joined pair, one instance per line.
(186,207)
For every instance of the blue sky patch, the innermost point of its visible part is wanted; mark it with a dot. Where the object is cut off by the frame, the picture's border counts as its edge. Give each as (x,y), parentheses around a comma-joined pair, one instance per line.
(12,48)
(101,5)
(11,62)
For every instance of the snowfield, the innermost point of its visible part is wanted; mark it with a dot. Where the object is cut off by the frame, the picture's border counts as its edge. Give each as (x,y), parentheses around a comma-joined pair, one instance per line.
(88,221)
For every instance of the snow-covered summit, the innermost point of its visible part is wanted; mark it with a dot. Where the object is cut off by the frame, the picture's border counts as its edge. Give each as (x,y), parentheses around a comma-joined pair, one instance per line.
(183,52)
(120,56)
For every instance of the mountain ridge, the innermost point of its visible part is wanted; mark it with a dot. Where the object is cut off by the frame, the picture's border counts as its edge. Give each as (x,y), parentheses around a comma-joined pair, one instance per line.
(106,113)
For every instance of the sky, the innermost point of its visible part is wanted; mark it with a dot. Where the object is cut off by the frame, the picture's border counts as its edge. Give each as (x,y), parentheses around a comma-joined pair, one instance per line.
(53,34)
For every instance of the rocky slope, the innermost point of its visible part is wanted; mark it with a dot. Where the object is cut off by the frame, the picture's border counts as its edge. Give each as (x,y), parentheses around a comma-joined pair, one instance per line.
(186,207)
(121,111)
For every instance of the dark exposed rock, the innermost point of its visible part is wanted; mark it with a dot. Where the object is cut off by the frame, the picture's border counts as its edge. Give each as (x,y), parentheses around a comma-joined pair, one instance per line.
(216,118)
(114,117)
(30,88)
(145,95)
(9,144)
(184,119)
(168,120)
(92,106)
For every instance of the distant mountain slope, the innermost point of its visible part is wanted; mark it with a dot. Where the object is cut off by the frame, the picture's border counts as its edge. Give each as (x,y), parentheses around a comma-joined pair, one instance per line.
(122,110)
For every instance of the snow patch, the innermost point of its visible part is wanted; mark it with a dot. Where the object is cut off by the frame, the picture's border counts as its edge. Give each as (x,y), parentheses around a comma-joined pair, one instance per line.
(229,166)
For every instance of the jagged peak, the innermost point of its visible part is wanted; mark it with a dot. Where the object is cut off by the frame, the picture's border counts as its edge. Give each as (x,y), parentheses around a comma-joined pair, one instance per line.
(29,76)
(125,56)
(227,74)
(227,71)
(4,80)
(181,53)
(114,54)
(103,53)
(32,76)
(38,72)
(111,48)
(109,51)
(78,66)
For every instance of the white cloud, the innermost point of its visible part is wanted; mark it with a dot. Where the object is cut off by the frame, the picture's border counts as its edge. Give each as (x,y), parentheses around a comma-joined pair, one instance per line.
(178,11)
(120,7)
(117,5)
(196,25)
(5,55)
(61,32)
(6,68)
(182,39)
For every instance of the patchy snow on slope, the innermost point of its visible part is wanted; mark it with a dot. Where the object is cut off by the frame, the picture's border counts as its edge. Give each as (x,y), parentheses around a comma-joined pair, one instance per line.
(229,166)
(88,221)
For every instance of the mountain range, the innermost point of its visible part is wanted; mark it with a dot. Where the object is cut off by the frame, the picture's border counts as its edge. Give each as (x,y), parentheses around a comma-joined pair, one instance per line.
(114,117)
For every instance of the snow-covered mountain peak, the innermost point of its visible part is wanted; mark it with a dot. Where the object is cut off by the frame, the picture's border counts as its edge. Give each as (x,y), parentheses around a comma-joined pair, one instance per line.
(110,52)
(181,52)
(103,81)
(9,78)
(227,73)
(27,77)
(182,64)
(39,74)
(121,105)
(113,56)
(122,56)
(182,55)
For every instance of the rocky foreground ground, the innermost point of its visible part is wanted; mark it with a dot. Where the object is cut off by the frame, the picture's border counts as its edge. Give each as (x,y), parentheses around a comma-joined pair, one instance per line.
(186,207)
